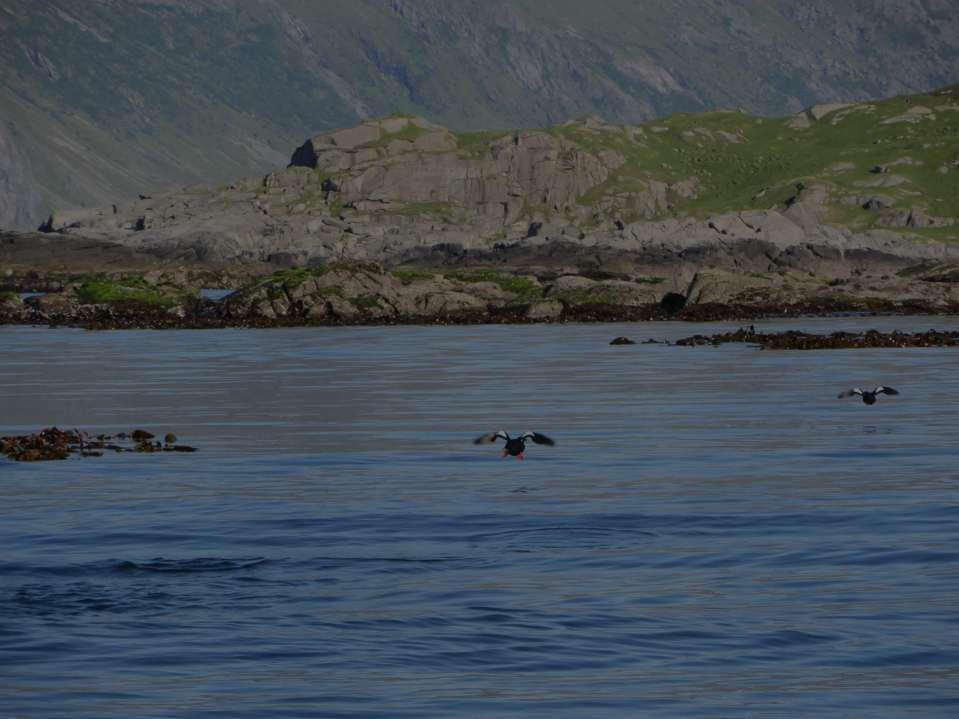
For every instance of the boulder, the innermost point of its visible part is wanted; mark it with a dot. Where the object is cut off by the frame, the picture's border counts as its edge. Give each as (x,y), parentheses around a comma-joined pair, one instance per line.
(11,307)
(446,303)
(55,304)
(818,112)
(545,310)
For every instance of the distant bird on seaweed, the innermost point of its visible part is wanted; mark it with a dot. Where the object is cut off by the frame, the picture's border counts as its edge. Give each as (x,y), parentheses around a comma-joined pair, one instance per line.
(515,446)
(867,396)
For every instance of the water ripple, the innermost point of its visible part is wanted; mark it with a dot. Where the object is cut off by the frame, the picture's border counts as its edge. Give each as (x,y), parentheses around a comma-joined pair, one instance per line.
(703,540)
(190,566)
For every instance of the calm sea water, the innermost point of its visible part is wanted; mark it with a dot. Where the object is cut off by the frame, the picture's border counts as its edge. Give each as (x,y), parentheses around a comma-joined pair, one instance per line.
(715,534)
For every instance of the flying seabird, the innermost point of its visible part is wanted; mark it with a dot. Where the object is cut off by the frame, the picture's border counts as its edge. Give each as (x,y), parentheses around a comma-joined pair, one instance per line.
(515,446)
(867,396)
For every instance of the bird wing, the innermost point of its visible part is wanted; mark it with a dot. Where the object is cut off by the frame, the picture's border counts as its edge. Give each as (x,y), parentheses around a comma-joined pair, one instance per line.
(491,438)
(850,393)
(881,389)
(538,438)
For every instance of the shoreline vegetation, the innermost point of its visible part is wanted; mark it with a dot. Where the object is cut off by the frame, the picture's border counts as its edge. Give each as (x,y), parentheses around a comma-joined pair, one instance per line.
(366,294)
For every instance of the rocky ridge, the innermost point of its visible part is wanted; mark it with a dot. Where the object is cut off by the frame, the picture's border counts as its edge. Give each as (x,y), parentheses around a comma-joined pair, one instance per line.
(851,200)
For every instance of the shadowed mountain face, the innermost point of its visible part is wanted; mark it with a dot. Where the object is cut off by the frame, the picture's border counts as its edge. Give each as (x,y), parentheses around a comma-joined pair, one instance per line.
(100,100)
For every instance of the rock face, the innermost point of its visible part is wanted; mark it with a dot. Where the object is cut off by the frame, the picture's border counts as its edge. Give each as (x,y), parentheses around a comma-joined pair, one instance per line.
(402,164)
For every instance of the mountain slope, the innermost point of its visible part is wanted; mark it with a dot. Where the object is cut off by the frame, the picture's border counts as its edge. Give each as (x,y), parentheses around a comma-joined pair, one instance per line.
(102,99)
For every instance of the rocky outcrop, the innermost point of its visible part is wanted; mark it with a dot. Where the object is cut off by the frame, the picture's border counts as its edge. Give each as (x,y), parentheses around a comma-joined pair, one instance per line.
(402,189)
(400,219)
(399,165)
(351,293)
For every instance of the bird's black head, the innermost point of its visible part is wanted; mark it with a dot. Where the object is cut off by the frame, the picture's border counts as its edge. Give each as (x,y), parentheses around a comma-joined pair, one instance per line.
(869,397)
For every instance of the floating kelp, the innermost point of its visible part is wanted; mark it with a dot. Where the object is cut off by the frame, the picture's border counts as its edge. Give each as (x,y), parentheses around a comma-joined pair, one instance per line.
(57,444)
(795,340)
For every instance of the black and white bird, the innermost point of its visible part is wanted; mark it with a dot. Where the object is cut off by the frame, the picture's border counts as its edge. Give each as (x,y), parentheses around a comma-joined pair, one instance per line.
(868,397)
(515,446)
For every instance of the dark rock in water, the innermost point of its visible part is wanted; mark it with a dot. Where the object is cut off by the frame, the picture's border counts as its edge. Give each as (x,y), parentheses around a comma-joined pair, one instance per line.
(794,340)
(141,435)
(673,302)
(182,448)
(622,341)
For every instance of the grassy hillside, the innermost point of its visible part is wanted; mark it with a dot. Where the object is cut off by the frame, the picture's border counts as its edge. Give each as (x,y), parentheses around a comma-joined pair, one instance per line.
(902,153)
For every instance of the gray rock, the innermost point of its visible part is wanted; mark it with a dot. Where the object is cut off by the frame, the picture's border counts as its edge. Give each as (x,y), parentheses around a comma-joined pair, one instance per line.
(445,303)
(545,310)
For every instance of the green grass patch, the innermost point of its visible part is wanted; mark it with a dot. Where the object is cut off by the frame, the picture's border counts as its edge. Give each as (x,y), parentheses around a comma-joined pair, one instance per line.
(294,277)
(920,269)
(408,277)
(409,133)
(107,292)
(950,275)
(525,289)
(938,234)
(587,296)
(475,145)
(743,162)
(366,302)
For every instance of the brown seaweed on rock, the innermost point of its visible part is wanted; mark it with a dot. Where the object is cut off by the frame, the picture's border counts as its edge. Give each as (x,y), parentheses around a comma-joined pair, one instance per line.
(795,340)
(58,444)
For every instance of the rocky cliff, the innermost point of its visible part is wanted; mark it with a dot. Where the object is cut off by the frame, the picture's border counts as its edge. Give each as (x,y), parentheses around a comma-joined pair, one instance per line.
(107,100)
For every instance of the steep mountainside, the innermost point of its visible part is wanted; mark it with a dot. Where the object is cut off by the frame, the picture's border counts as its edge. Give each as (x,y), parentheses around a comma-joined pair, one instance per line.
(101,99)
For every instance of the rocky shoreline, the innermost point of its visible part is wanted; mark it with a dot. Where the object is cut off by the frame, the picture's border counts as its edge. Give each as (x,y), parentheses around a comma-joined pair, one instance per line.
(366,295)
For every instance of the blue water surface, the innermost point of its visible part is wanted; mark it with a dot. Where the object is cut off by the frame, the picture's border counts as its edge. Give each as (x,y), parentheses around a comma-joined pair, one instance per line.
(715,534)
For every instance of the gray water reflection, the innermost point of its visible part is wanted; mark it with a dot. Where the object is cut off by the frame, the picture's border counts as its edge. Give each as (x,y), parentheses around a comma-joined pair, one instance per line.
(714,535)
(215,294)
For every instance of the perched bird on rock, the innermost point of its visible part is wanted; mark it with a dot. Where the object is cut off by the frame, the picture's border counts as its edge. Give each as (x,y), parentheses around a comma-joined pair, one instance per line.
(867,396)
(515,446)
